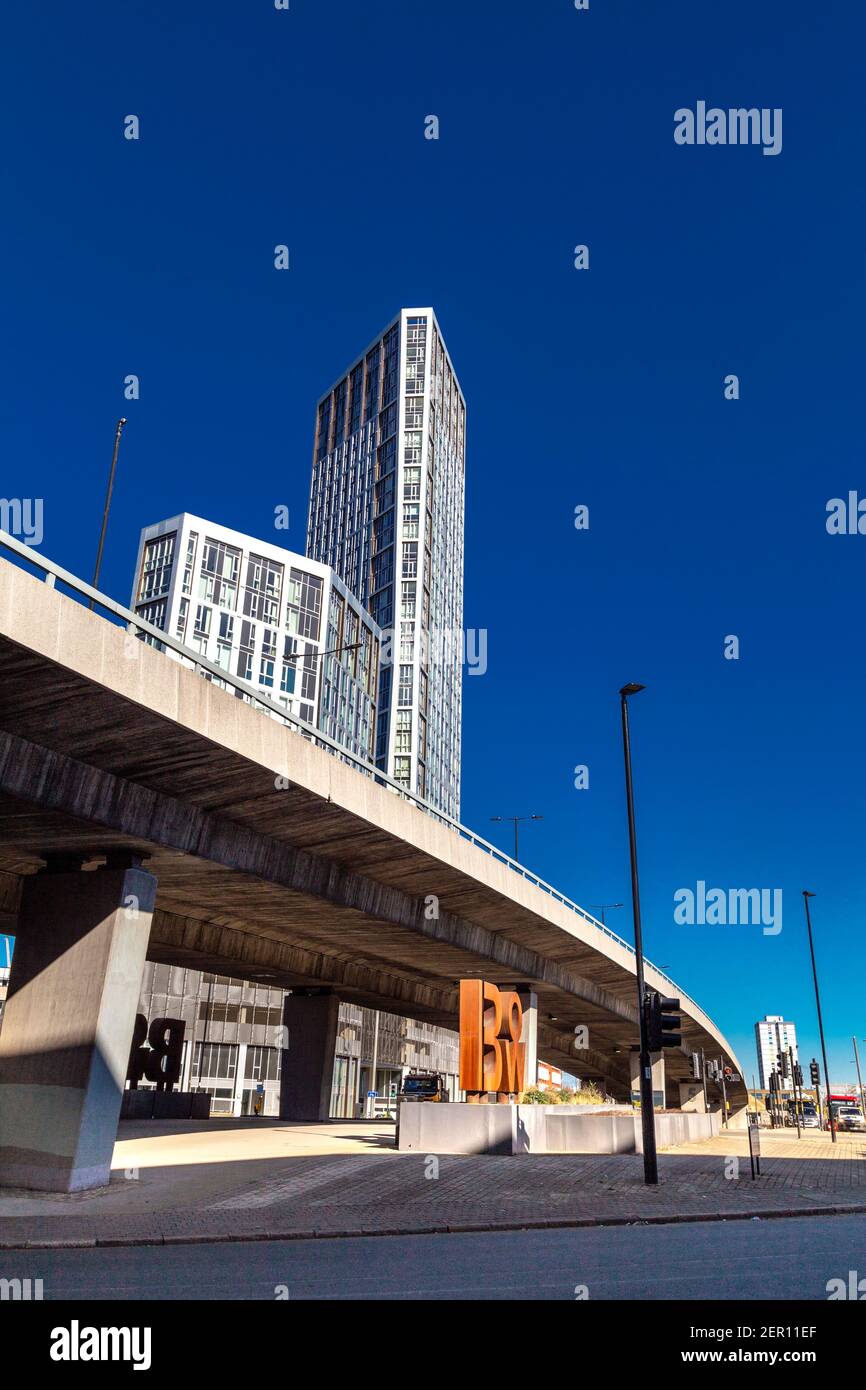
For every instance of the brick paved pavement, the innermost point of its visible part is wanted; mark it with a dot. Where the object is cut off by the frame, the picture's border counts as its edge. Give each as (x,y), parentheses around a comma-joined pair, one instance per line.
(236,1182)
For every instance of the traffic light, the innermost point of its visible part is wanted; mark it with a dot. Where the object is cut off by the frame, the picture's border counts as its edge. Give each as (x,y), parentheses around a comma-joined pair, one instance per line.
(798,1074)
(663,1021)
(815,1073)
(782,1063)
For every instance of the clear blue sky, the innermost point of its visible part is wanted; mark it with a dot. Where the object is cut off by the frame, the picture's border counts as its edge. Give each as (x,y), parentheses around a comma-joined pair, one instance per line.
(707,516)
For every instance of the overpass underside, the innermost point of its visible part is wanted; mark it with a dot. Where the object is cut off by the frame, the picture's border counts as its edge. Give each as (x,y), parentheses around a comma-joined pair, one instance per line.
(268,857)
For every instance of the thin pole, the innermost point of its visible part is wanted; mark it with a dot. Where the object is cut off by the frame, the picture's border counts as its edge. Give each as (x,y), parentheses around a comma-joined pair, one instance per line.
(818,1099)
(806,896)
(375,1065)
(859,1079)
(119,431)
(650,1158)
(794,1086)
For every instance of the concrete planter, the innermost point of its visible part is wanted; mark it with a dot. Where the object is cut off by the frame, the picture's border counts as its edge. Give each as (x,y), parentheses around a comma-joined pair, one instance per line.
(460,1128)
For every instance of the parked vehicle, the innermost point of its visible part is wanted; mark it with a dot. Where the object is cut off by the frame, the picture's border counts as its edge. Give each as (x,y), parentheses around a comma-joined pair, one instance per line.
(424,1085)
(848,1117)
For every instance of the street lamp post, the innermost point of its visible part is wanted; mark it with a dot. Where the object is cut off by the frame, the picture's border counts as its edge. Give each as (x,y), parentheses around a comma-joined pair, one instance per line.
(806,896)
(602,907)
(859,1078)
(118,432)
(516,820)
(650,1159)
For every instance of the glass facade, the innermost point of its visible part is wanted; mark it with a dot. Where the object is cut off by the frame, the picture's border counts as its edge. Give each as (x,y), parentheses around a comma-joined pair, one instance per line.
(386,512)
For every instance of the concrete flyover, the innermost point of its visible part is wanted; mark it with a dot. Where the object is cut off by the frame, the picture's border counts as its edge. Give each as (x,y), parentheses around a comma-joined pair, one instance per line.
(145,812)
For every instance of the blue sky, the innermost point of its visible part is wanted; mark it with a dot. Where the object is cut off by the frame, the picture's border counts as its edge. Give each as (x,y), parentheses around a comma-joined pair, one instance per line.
(600,387)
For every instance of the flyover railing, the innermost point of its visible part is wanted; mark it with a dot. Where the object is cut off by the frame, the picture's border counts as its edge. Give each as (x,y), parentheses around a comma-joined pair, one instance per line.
(139,628)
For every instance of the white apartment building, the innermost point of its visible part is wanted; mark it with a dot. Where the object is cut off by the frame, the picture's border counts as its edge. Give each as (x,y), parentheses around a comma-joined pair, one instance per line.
(286,625)
(772,1036)
(386,511)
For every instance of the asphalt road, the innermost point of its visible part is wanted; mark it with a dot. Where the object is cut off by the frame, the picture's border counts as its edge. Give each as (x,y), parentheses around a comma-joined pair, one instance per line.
(761,1260)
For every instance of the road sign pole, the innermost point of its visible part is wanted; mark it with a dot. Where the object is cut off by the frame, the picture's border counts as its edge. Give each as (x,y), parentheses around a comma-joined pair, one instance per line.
(650,1159)
(794,1084)
(830,1117)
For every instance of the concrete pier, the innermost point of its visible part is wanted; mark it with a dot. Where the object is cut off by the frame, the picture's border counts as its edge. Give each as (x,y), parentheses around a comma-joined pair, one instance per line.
(80,948)
(310,1023)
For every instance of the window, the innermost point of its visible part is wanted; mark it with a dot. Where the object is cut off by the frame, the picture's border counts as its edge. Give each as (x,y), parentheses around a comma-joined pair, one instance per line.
(324,429)
(383,573)
(410,559)
(268,658)
(214,1059)
(263,589)
(153,613)
(189,563)
(308,675)
(218,581)
(411,512)
(408,591)
(304,609)
(403,737)
(247,646)
(287,681)
(383,531)
(156,567)
(411,484)
(201,630)
(385,494)
(404,696)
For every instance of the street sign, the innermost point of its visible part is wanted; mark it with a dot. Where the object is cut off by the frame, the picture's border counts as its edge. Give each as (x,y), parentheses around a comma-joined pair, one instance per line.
(260,1090)
(371,1095)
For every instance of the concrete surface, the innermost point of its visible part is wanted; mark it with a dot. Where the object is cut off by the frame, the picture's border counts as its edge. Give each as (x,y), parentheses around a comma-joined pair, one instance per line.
(254,1180)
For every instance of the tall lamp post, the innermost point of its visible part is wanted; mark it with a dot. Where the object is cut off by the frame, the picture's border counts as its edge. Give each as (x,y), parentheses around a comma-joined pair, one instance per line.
(602,908)
(118,432)
(516,820)
(859,1078)
(647,1114)
(806,896)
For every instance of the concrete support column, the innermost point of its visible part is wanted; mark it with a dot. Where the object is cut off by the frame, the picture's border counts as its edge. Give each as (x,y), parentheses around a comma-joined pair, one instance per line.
(79,957)
(692,1097)
(657,1063)
(307,1063)
(240,1079)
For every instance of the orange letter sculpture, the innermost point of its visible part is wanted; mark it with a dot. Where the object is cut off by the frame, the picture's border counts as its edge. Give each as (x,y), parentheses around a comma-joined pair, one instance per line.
(491,1053)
